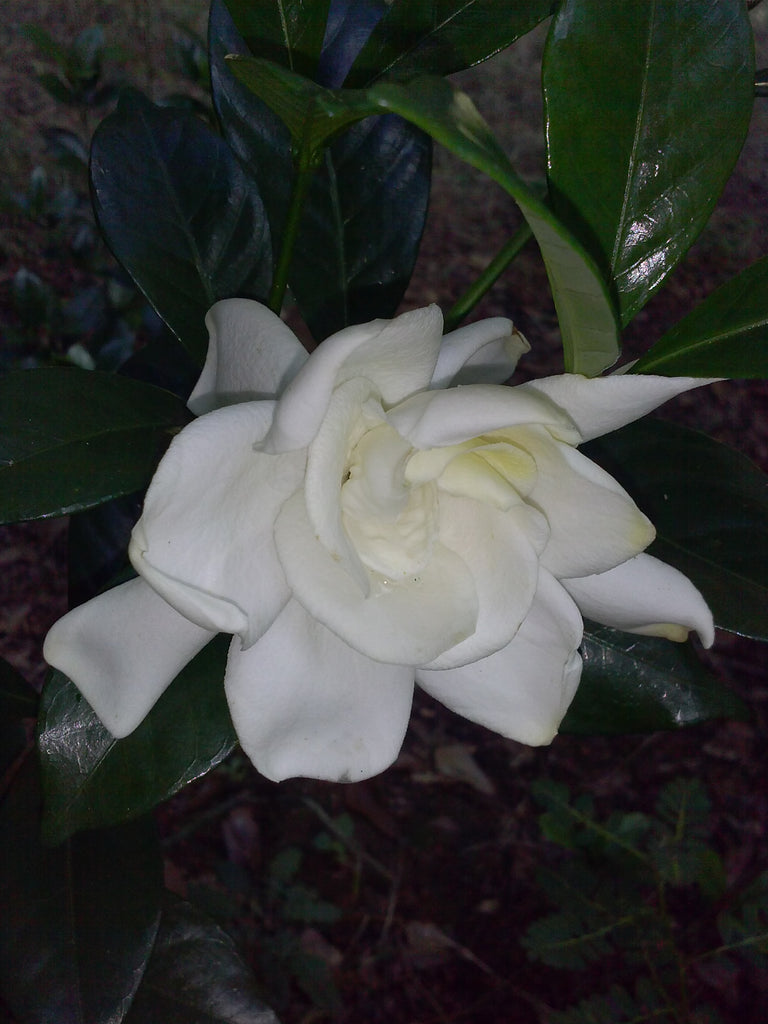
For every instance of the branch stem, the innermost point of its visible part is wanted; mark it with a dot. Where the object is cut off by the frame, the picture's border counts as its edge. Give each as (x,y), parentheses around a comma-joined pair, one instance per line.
(304,171)
(467,302)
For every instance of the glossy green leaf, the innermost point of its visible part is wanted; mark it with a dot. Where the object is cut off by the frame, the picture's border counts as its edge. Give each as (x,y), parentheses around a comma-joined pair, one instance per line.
(642,684)
(289,32)
(71,439)
(442,36)
(180,213)
(78,921)
(365,210)
(587,320)
(725,336)
(709,505)
(91,779)
(647,104)
(196,975)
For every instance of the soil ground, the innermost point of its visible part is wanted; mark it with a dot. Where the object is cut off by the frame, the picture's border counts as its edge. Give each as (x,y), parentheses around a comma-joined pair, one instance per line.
(439,882)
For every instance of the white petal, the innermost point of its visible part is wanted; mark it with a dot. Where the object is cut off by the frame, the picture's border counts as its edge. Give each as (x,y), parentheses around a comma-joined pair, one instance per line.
(433,419)
(303,703)
(523,690)
(205,540)
(647,596)
(407,622)
(122,650)
(498,548)
(598,405)
(397,356)
(326,461)
(485,352)
(251,354)
(594,523)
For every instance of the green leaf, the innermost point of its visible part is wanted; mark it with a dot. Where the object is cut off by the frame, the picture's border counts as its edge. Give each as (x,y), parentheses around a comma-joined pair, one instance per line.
(364,213)
(74,438)
(743,926)
(90,778)
(725,336)
(647,105)
(709,505)
(78,921)
(641,684)
(196,975)
(289,32)
(442,37)
(180,213)
(587,320)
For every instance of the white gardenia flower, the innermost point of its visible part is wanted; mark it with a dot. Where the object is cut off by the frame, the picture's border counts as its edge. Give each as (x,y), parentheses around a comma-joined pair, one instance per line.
(381,512)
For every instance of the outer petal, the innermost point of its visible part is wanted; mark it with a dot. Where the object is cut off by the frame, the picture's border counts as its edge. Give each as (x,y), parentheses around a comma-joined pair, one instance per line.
(397,356)
(251,354)
(433,419)
(205,540)
(524,689)
(485,352)
(598,405)
(407,622)
(594,523)
(644,596)
(122,650)
(304,703)
(498,547)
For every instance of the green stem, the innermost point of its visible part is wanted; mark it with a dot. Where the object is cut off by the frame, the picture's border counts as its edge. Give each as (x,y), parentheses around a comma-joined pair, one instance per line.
(304,171)
(489,276)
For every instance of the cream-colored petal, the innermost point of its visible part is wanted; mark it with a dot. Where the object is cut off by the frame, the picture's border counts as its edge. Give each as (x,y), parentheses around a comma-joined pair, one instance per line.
(397,356)
(434,419)
(122,650)
(523,690)
(485,352)
(205,539)
(251,354)
(646,596)
(304,703)
(407,620)
(598,405)
(499,548)
(594,524)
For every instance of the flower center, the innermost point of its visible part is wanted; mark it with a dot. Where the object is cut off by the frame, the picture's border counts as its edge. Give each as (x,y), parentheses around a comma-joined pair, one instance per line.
(392,524)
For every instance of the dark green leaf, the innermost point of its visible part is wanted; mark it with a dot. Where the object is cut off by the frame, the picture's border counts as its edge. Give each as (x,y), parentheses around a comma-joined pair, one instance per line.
(350,23)
(709,505)
(642,684)
(289,32)
(587,320)
(726,336)
(195,975)
(45,43)
(57,88)
(442,37)
(78,921)
(647,106)
(17,697)
(743,926)
(365,211)
(180,213)
(73,438)
(90,778)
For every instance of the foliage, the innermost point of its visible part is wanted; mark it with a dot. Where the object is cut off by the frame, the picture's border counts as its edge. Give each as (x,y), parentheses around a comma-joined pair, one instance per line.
(306,180)
(617,891)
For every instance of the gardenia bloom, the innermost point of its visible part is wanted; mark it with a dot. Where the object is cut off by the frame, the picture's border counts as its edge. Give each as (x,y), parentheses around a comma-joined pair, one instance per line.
(379,512)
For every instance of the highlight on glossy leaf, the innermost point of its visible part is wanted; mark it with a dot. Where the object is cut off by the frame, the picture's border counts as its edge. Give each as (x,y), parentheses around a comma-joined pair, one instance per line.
(642,684)
(646,106)
(90,779)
